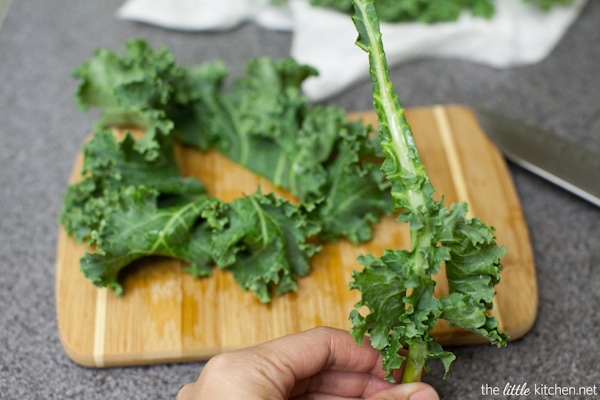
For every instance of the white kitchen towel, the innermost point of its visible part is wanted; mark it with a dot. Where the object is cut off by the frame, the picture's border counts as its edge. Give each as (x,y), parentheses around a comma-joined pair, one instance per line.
(517,34)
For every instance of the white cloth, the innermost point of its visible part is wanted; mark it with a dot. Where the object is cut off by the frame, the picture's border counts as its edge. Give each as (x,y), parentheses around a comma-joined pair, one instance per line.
(517,34)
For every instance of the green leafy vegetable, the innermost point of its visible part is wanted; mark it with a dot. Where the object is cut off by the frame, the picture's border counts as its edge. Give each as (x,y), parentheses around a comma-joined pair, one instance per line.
(259,238)
(139,227)
(429,11)
(110,165)
(264,244)
(548,4)
(398,288)
(314,152)
(132,201)
(131,90)
(130,207)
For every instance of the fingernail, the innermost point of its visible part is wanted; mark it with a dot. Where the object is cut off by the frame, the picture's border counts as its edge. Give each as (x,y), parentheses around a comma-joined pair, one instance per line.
(425,394)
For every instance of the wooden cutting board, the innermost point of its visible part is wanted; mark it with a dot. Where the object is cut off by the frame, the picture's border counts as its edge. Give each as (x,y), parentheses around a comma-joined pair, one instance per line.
(166,315)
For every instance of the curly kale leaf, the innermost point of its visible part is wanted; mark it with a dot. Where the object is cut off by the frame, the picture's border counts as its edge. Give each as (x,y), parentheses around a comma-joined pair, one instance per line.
(260,115)
(140,227)
(356,194)
(397,318)
(197,119)
(265,124)
(263,241)
(110,165)
(132,90)
(398,288)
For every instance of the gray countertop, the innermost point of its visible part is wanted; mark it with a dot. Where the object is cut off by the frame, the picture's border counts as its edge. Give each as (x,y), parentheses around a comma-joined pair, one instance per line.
(41,131)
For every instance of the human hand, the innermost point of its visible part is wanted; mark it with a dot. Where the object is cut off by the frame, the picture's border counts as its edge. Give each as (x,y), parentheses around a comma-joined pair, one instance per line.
(321,363)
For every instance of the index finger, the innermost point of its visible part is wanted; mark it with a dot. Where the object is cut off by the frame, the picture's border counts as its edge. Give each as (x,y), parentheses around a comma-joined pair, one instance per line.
(304,354)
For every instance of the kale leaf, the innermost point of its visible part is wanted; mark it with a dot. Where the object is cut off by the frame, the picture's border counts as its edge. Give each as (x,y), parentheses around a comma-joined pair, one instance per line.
(265,124)
(133,89)
(110,165)
(140,227)
(264,244)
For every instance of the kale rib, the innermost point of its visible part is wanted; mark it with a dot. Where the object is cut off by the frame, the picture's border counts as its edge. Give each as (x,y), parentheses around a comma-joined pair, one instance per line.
(398,287)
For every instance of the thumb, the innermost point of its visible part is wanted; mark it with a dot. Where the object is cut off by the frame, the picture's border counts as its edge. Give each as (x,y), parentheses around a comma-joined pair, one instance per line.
(407,391)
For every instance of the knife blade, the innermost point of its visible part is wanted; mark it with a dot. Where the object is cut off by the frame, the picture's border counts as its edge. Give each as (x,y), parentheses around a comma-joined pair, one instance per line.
(567,164)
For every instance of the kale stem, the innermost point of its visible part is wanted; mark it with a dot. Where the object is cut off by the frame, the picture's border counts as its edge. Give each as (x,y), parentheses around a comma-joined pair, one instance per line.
(415,362)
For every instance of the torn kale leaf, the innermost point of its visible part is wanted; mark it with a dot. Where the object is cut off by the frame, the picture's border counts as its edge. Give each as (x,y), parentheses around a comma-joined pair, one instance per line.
(263,241)
(132,90)
(108,166)
(139,227)
(265,124)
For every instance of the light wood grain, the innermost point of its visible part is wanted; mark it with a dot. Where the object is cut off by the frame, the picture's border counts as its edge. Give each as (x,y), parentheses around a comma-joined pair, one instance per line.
(166,315)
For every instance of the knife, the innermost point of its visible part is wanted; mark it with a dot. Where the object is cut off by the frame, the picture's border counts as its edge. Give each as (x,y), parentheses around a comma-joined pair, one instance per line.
(567,164)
